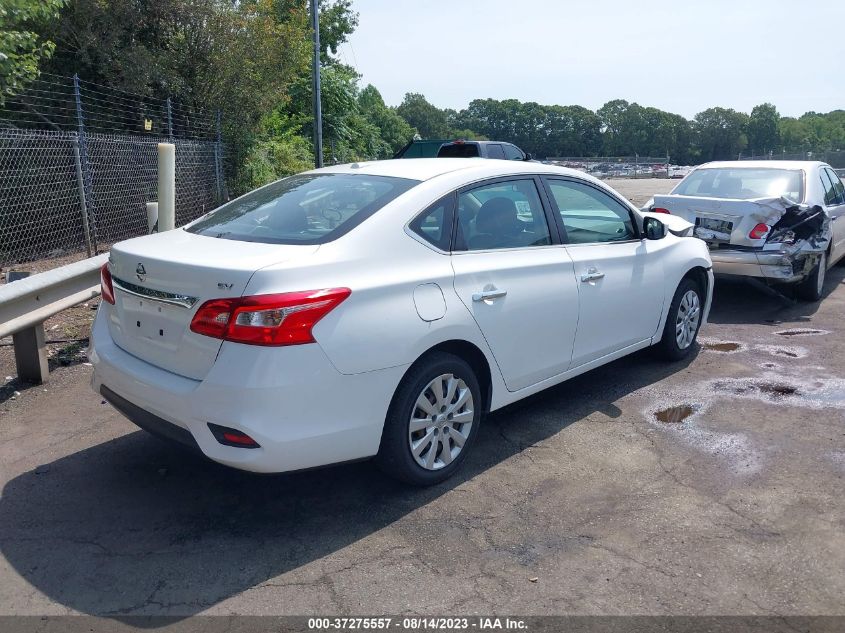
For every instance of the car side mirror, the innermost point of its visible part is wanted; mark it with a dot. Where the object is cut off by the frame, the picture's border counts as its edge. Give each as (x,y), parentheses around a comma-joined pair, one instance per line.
(654,229)
(527,156)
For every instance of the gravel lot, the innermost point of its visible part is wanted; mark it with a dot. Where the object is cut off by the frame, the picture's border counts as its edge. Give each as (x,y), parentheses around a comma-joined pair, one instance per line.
(711,486)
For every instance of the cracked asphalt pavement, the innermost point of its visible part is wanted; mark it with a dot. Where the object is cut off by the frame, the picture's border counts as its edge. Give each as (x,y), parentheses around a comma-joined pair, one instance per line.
(579,500)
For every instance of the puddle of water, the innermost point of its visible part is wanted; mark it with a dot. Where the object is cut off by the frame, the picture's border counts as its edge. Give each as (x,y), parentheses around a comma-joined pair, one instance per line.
(801,331)
(751,387)
(812,393)
(778,390)
(721,346)
(676,414)
(783,351)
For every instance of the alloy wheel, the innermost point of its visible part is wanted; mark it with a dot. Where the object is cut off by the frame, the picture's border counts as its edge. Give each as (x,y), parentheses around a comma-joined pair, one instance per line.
(441,422)
(689,315)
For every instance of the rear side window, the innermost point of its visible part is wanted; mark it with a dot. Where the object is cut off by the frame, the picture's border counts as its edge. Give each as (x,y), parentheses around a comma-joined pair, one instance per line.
(833,188)
(434,224)
(505,214)
(512,152)
(458,150)
(303,209)
(495,151)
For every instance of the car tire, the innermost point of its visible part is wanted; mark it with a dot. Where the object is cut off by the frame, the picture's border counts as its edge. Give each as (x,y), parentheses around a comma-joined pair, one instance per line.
(682,322)
(812,288)
(412,429)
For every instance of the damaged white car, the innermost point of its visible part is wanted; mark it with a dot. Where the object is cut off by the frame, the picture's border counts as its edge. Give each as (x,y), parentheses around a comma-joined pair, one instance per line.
(777,221)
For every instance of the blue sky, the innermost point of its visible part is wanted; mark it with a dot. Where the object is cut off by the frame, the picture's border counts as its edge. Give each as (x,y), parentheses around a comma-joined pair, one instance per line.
(682,56)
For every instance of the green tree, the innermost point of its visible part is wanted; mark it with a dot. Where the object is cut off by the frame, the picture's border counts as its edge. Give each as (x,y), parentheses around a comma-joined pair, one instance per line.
(22,47)
(720,133)
(763,132)
(337,23)
(392,129)
(430,121)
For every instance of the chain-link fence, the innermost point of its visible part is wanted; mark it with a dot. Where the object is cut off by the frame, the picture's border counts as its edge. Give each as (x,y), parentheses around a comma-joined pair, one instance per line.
(834,158)
(78,162)
(618,166)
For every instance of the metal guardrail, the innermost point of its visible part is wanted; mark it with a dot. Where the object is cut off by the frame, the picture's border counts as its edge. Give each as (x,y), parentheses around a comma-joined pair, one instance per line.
(26,303)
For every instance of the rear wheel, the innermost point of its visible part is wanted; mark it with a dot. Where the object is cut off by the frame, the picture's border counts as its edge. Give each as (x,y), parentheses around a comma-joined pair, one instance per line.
(812,287)
(682,322)
(432,421)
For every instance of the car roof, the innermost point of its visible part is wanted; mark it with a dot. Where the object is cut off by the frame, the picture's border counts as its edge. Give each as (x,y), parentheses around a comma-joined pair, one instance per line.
(757,164)
(427,168)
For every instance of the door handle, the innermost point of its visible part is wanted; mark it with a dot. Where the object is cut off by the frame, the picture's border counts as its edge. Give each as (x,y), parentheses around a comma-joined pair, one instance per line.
(486,295)
(592,274)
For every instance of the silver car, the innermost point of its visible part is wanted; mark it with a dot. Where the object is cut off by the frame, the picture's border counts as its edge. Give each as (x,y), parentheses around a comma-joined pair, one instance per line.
(778,221)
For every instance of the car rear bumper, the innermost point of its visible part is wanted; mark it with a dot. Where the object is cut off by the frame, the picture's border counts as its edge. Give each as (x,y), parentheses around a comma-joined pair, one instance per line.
(773,265)
(291,400)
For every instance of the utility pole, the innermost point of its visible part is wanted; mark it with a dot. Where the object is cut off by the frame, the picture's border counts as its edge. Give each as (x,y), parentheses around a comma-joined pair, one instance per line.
(318,110)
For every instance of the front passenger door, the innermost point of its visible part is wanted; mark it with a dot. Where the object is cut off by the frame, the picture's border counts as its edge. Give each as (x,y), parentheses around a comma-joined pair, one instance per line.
(619,276)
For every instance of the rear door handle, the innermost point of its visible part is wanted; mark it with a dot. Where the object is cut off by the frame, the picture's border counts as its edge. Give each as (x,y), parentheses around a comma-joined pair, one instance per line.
(592,274)
(486,295)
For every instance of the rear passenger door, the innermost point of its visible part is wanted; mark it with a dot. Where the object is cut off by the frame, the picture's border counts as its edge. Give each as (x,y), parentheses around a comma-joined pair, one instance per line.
(834,200)
(514,278)
(619,276)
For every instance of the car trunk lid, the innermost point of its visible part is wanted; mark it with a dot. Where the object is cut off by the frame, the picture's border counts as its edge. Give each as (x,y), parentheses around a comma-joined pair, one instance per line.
(721,221)
(161,280)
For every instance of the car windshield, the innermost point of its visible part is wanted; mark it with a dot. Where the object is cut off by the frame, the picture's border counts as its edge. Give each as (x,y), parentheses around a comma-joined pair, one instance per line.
(458,150)
(743,183)
(304,209)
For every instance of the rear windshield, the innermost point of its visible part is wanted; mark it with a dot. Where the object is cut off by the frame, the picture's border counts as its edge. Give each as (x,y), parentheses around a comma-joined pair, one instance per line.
(305,209)
(743,183)
(458,150)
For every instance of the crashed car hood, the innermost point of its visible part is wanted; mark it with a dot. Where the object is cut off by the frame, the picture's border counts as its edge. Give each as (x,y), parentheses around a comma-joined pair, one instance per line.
(727,221)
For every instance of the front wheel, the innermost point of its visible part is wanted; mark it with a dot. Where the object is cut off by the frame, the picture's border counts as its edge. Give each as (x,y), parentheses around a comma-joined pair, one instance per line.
(811,288)
(682,322)
(432,421)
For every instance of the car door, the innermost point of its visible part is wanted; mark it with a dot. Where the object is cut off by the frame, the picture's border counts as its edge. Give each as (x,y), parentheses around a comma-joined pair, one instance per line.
(517,283)
(834,200)
(619,276)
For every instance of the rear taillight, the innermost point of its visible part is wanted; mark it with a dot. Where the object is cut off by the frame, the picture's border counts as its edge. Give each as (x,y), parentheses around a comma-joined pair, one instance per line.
(282,319)
(107,289)
(759,232)
(660,210)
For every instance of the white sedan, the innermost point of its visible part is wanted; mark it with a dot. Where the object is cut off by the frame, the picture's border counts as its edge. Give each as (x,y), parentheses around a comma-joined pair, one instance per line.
(379,309)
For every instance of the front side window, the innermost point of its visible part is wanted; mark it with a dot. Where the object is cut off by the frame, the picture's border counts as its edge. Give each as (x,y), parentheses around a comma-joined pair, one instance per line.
(303,209)
(589,215)
(505,214)
(434,224)
(743,183)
